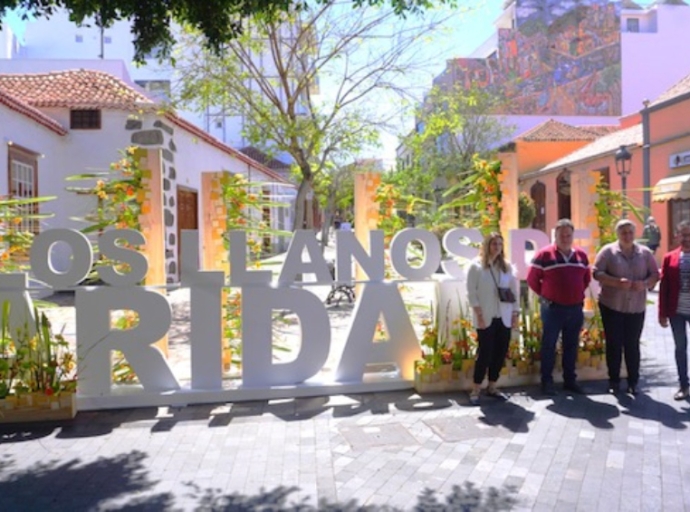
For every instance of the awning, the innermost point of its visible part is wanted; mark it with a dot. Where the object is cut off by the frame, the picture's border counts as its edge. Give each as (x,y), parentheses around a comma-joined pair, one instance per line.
(673,187)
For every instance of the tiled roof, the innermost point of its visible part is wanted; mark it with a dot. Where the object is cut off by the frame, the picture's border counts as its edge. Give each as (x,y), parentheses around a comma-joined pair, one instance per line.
(601,129)
(600,147)
(678,89)
(553,130)
(87,89)
(263,158)
(18,106)
(210,139)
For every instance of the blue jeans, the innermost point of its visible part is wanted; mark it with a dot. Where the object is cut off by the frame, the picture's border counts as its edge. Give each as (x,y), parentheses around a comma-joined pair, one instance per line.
(567,322)
(680,337)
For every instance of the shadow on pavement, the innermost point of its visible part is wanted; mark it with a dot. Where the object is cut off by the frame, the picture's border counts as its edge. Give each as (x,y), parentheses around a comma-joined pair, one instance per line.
(645,407)
(506,414)
(465,498)
(75,486)
(582,407)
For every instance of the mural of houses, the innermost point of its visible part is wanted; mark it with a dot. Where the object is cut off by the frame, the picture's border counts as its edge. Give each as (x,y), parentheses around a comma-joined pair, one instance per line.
(581,62)
(59,124)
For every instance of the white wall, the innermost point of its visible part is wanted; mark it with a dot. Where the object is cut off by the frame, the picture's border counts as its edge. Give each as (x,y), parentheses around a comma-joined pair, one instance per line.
(653,61)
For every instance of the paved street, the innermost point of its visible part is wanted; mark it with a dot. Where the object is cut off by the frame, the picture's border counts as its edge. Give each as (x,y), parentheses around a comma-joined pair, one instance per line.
(393,451)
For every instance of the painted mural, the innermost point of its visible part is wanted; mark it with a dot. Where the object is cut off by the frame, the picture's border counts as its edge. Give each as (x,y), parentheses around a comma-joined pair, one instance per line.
(563,58)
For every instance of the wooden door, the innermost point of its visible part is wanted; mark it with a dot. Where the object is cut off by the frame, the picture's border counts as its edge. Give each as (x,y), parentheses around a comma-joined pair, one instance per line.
(187,213)
(538,194)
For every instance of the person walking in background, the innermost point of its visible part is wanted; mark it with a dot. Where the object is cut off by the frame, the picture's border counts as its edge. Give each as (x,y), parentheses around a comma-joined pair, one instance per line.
(626,270)
(559,274)
(492,291)
(651,234)
(674,302)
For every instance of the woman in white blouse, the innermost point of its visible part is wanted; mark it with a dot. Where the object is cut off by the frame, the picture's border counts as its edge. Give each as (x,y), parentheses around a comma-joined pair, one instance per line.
(492,318)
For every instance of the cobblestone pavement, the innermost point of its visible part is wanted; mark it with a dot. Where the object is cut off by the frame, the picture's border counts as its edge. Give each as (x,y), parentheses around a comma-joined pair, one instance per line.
(388,451)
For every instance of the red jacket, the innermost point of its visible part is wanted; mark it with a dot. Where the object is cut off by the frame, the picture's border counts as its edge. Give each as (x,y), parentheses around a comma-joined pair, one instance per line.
(563,282)
(669,288)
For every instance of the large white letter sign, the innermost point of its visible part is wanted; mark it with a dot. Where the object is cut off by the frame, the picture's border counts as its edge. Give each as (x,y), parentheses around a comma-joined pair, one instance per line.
(258,304)
(82,258)
(347,247)
(239,275)
(293,266)
(138,264)
(205,315)
(453,244)
(432,253)
(379,300)
(517,241)
(95,338)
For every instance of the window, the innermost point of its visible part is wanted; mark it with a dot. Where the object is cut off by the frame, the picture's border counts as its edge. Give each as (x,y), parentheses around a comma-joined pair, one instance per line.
(79,38)
(23,184)
(85,119)
(633,24)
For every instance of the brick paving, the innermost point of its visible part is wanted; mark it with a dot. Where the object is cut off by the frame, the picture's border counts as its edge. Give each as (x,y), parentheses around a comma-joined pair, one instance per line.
(384,451)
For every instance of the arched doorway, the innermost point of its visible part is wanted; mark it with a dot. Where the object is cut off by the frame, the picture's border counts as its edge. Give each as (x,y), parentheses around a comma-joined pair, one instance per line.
(538,194)
(563,189)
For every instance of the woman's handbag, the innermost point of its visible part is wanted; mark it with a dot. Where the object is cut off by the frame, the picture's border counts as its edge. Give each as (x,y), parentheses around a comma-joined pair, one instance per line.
(504,294)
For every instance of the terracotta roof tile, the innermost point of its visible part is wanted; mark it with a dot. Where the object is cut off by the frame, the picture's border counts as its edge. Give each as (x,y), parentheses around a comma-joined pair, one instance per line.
(81,88)
(32,113)
(553,130)
(601,129)
(678,89)
(602,146)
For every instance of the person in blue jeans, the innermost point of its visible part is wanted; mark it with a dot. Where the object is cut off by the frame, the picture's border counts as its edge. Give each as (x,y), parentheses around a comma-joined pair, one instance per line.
(559,274)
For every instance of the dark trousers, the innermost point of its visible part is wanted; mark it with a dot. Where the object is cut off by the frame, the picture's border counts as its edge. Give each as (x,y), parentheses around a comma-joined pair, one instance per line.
(491,354)
(567,322)
(623,331)
(680,337)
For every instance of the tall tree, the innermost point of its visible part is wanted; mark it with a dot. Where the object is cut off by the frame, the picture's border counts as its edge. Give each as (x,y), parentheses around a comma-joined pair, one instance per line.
(453,125)
(269,77)
(219,21)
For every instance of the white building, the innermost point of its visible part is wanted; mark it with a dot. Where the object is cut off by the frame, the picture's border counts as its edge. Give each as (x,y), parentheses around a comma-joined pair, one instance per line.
(60,124)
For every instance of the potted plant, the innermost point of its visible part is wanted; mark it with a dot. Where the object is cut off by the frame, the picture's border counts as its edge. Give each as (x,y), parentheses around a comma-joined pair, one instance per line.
(37,372)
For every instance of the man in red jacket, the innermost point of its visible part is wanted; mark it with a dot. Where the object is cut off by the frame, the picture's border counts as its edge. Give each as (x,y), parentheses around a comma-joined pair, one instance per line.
(560,274)
(674,302)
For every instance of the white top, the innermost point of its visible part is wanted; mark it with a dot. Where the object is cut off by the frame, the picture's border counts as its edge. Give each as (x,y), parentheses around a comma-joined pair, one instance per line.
(482,292)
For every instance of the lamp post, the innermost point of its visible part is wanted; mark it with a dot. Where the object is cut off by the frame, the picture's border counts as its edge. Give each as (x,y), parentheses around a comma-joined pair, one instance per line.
(623,165)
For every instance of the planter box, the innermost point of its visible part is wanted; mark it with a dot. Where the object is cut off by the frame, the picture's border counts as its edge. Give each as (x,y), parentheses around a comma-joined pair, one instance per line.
(32,407)
(522,374)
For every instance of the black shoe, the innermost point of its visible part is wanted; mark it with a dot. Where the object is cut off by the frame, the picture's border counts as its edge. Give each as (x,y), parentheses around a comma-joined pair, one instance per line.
(573,387)
(632,390)
(614,387)
(549,389)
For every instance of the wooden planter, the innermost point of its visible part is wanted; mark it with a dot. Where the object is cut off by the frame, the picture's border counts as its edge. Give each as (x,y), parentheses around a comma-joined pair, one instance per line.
(32,407)
(520,373)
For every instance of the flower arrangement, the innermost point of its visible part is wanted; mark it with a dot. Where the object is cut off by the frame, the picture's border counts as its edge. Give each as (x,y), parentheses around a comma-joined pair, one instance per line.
(41,362)
(531,330)
(18,224)
(593,337)
(454,346)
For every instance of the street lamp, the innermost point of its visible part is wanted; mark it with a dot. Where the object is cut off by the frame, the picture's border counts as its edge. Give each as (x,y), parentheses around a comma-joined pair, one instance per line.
(623,165)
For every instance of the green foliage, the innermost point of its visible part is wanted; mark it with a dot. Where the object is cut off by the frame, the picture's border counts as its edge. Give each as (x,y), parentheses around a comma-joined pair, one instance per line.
(526,210)
(609,208)
(42,362)
(456,124)
(18,220)
(480,196)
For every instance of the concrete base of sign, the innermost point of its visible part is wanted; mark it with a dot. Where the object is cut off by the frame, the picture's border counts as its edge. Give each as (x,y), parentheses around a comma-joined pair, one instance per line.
(126,396)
